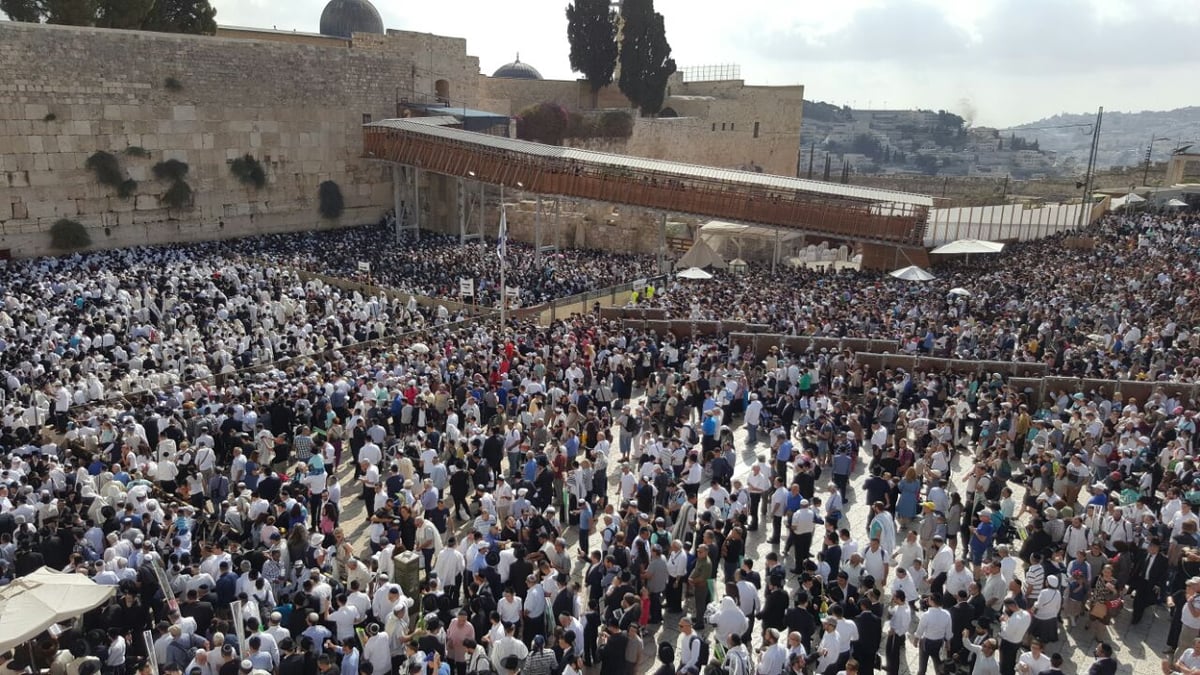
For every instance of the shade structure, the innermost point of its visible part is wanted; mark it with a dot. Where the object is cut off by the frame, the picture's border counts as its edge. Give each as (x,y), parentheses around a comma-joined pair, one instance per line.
(1133,198)
(694,273)
(33,603)
(960,291)
(968,246)
(1177,203)
(912,273)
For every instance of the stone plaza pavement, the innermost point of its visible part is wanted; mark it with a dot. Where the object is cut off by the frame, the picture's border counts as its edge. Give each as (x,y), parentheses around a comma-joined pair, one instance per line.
(1138,648)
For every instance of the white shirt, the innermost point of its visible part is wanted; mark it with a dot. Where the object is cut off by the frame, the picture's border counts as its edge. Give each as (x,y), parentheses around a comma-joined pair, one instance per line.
(1028,664)
(1014,628)
(935,624)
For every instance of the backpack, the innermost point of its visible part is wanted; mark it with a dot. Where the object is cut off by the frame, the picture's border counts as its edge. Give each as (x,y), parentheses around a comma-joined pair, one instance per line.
(995,484)
(480,665)
(632,425)
(704,654)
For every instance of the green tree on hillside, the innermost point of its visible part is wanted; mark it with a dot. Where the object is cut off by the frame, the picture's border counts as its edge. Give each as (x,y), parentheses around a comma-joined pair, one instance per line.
(592,32)
(170,16)
(645,58)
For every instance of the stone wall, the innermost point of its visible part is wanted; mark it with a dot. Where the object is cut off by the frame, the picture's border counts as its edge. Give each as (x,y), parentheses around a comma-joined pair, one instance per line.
(298,108)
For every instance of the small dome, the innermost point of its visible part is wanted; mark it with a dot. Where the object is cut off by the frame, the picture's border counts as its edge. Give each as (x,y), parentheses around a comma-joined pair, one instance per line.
(517,71)
(341,18)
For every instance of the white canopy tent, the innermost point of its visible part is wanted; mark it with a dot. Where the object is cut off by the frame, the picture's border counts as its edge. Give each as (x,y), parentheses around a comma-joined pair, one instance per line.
(968,246)
(1177,203)
(694,273)
(33,603)
(912,273)
(701,255)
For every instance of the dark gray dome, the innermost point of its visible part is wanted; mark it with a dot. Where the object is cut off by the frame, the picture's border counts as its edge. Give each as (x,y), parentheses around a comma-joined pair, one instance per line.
(518,71)
(343,17)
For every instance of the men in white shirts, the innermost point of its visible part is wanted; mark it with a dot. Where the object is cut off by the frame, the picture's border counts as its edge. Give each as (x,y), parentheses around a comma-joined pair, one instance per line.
(774,656)
(899,620)
(958,579)
(689,646)
(677,577)
(1014,624)
(986,662)
(933,630)
(1034,661)
(777,509)
(940,565)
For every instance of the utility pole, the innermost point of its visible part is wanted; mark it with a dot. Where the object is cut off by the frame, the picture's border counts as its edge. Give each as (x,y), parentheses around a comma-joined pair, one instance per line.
(1149,150)
(1091,167)
(812,154)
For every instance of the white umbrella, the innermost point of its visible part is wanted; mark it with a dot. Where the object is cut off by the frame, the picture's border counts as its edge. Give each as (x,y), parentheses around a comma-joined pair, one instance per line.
(1177,203)
(1133,198)
(969,246)
(912,273)
(694,273)
(960,291)
(33,603)
(420,348)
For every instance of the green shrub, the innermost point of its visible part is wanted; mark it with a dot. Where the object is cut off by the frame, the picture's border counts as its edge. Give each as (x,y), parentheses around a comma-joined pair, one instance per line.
(127,188)
(172,169)
(249,171)
(172,84)
(50,117)
(68,235)
(106,167)
(543,123)
(178,196)
(137,151)
(615,124)
(330,201)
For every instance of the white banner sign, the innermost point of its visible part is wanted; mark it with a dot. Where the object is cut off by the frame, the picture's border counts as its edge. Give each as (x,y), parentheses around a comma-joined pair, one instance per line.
(466,288)
(514,292)
(364,267)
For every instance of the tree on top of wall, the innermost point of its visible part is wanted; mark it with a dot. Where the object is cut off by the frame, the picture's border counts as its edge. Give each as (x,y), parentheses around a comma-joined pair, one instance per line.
(646,61)
(169,16)
(592,33)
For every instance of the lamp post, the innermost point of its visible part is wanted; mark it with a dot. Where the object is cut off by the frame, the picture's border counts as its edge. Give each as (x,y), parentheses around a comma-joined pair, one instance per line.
(502,249)
(1149,149)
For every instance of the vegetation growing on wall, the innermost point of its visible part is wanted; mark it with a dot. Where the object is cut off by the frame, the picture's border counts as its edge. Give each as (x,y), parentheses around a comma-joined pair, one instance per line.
(330,201)
(107,169)
(179,195)
(69,235)
(249,171)
(50,117)
(137,151)
(172,84)
(543,123)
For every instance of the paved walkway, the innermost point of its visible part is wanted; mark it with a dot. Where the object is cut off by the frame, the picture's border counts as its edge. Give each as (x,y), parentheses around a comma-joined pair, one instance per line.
(1138,648)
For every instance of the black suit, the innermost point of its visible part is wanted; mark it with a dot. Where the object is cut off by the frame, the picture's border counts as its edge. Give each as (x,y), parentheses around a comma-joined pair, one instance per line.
(870,637)
(612,655)
(1148,576)
(774,611)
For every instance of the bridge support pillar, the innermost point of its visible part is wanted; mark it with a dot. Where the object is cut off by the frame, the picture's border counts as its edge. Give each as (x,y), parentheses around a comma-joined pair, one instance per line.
(662,243)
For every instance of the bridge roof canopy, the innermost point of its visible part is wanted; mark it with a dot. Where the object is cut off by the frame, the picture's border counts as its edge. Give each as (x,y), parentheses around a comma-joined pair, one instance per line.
(747,179)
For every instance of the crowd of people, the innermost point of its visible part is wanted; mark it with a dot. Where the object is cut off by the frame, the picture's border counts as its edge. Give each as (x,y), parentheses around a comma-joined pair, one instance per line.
(1127,308)
(434,264)
(557,499)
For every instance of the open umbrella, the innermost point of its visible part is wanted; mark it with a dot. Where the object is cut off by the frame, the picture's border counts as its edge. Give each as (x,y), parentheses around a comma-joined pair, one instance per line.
(968,246)
(912,273)
(33,603)
(694,273)
(1177,203)
(420,348)
(1133,198)
(960,291)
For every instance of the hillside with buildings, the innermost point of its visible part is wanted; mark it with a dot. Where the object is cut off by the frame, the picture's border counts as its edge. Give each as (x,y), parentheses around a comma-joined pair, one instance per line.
(1124,136)
(929,142)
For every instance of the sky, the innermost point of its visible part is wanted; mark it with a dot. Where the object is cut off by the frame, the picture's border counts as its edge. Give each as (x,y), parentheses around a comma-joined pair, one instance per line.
(996,62)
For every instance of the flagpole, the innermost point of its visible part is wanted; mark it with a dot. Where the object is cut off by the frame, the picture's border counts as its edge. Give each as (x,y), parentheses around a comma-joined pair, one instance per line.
(503,287)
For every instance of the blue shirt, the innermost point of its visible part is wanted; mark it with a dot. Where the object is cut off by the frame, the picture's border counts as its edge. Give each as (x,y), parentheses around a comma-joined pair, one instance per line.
(585,517)
(710,425)
(793,502)
(785,452)
(841,464)
(531,470)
